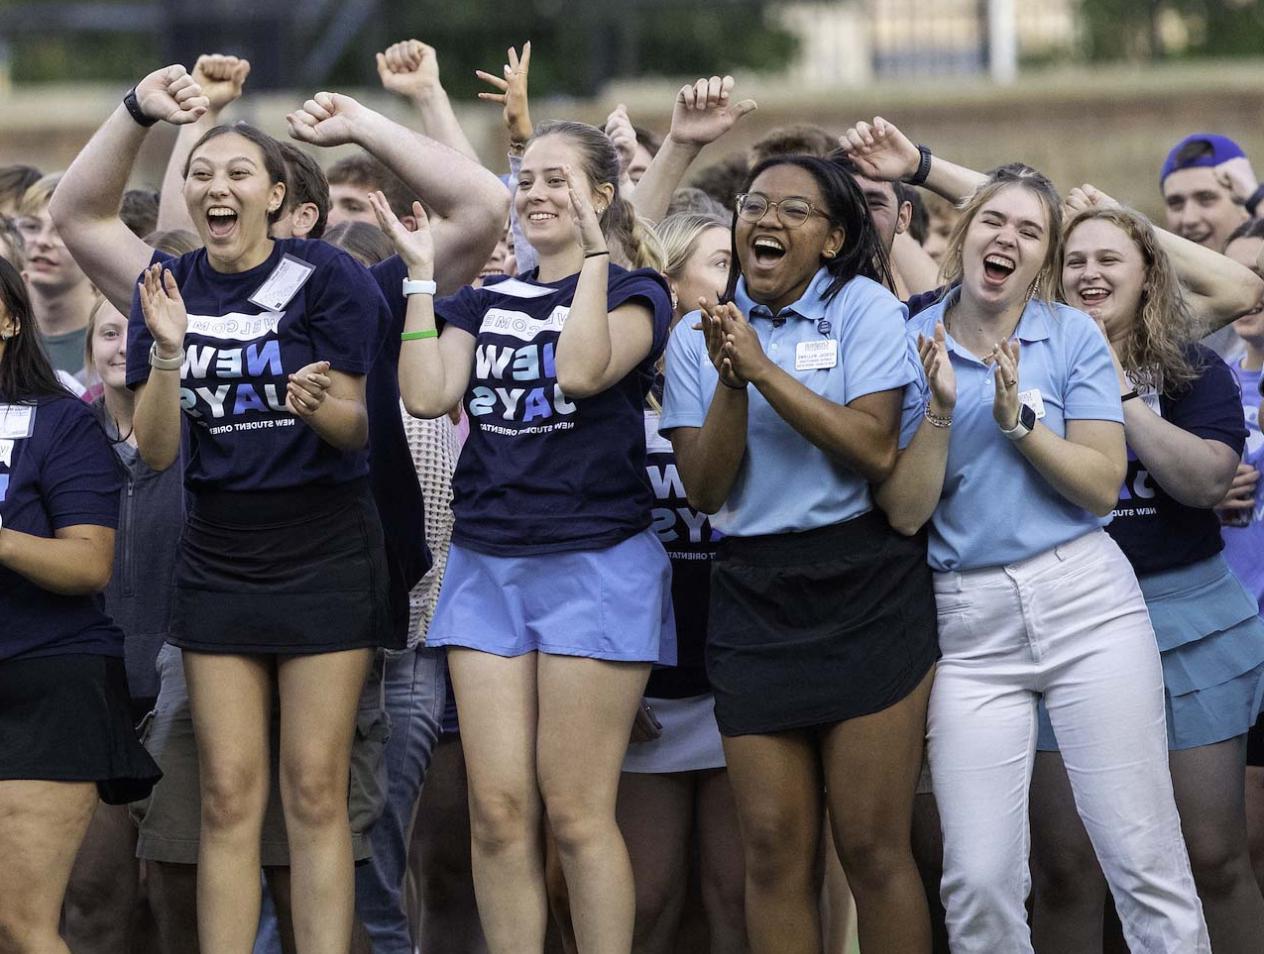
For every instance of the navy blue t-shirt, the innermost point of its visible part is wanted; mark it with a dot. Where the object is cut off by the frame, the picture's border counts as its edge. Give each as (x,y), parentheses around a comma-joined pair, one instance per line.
(64,474)
(1154,531)
(923,300)
(690,543)
(238,355)
(542,473)
(391,472)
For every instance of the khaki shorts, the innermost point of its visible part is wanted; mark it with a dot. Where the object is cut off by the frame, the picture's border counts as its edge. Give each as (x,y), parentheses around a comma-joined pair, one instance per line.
(170,819)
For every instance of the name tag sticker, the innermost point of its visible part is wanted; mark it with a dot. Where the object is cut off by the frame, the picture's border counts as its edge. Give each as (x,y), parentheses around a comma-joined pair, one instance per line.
(1033,400)
(815,355)
(283,284)
(17,421)
(6,453)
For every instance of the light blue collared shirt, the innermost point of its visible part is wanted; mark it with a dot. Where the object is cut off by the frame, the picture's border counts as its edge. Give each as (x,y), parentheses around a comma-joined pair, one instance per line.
(996,508)
(786,483)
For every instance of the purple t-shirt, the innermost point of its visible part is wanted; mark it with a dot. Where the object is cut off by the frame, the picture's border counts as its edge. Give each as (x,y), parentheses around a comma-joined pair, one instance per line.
(1244,546)
(239,353)
(542,473)
(57,470)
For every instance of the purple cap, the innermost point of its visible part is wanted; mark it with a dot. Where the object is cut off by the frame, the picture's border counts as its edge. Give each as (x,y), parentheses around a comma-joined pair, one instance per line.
(1222,150)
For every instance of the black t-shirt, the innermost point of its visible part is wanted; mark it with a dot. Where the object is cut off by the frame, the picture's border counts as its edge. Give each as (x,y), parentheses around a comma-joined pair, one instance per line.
(1155,531)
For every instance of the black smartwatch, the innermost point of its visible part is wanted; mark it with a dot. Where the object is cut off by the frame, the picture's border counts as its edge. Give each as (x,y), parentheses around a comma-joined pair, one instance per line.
(923,167)
(133,109)
(1253,203)
(1025,424)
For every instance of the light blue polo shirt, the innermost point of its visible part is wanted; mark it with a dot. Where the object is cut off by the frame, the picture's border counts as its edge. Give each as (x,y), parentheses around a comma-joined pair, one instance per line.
(786,483)
(996,508)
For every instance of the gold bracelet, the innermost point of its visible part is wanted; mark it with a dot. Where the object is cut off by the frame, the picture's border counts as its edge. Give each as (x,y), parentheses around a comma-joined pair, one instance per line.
(937,420)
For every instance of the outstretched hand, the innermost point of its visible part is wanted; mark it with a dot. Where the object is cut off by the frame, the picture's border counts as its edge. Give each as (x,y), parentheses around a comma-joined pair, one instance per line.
(172,95)
(511,92)
(880,150)
(327,119)
(619,130)
(1005,378)
(163,307)
(221,78)
(939,373)
(705,111)
(415,248)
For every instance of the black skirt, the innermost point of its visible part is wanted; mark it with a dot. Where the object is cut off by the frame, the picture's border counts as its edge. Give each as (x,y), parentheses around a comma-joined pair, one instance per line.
(68,719)
(810,629)
(283,572)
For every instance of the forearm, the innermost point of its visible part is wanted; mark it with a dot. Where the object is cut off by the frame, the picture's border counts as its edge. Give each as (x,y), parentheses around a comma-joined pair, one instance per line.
(710,465)
(584,348)
(1195,471)
(525,257)
(173,212)
(909,496)
(1220,289)
(1085,476)
(423,385)
(439,122)
(342,422)
(69,567)
(912,266)
(157,419)
(955,183)
(663,177)
(851,437)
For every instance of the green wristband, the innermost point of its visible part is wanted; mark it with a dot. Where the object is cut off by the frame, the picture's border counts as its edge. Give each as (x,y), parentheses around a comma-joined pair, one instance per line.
(418,335)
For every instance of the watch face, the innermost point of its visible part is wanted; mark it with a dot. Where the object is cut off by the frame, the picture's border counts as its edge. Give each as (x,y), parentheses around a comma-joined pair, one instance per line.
(1026,416)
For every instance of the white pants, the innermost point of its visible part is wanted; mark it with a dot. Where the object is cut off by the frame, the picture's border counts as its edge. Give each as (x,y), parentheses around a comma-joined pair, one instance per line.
(1069,624)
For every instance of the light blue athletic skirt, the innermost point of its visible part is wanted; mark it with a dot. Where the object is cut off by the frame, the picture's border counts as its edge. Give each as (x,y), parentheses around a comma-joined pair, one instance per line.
(1211,641)
(604,604)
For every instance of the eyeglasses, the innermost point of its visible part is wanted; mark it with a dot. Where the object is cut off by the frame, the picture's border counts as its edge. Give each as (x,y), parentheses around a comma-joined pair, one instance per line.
(751,207)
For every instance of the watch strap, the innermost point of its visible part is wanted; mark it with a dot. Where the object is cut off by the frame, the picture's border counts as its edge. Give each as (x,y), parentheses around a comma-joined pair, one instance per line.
(1021,428)
(132,105)
(1253,203)
(159,363)
(923,166)
(418,286)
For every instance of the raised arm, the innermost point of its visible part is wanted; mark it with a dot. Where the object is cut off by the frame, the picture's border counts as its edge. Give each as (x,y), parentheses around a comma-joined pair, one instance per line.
(703,112)
(85,204)
(221,79)
(881,151)
(411,69)
(1219,290)
(470,204)
(511,92)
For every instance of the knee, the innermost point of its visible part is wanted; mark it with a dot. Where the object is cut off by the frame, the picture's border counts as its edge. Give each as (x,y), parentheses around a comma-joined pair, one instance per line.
(1219,867)
(575,821)
(778,850)
(20,935)
(724,894)
(1066,878)
(232,797)
(501,821)
(873,856)
(984,878)
(314,794)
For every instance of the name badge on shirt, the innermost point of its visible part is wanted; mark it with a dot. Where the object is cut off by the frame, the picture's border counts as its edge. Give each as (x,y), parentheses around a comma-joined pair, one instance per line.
(1033,400)
(17,421)
(6,453)
(283,284)
(815,355)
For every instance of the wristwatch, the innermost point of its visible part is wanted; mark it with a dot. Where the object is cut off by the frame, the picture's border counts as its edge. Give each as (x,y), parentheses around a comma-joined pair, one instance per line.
(132,105)
(419,286)
(1025,424)
(923,166)
(159,363)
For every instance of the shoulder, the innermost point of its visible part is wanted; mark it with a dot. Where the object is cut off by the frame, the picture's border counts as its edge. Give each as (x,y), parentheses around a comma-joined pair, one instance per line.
(640,283)
(1212,374)
(57,416)
(389,273)
(924,321)
(1069,323)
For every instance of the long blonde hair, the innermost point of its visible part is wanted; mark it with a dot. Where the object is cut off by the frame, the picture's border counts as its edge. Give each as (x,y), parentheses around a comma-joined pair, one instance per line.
(1023,176)
(1155,353)
(678,236)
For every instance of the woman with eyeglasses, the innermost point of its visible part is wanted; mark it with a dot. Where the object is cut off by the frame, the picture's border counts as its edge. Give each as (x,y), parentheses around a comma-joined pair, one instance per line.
(783,405)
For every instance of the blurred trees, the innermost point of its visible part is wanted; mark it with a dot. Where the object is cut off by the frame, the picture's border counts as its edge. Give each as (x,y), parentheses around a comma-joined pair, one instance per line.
(1159,29)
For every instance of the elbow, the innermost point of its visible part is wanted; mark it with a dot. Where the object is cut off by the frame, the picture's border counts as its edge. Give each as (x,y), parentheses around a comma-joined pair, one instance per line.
(1251,296)
(155,459)
(881,463)
(422,409)
(1103,502)
(575,384)
(704,503)
(906,525)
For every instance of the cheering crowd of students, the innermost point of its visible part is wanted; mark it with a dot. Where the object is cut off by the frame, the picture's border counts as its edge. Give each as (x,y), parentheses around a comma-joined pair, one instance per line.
(399,556)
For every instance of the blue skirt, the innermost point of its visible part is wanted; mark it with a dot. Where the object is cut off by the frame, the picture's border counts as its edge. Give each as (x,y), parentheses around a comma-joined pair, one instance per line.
(610,604)
(1211,642)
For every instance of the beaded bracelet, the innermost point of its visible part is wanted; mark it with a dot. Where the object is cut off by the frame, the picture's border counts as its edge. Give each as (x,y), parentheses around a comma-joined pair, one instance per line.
(937,420)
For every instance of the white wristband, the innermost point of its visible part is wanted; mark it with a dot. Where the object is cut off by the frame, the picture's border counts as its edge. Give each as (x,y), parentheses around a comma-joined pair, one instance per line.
(159,363)
(416,286)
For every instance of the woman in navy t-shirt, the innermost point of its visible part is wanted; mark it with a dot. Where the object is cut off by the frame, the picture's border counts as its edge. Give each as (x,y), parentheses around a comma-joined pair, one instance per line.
(556,598)
(65,722)
(1185,430)
(262,346)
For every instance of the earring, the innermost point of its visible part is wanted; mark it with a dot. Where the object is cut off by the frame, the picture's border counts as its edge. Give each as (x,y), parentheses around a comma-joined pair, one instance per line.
(828,253)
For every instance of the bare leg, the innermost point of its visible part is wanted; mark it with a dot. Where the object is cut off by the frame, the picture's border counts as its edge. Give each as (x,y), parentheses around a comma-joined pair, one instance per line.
(838,907)
(496,702)
(586,712)
(928,852)
(41,827)
(871,768)
(230,700)
(1255,819)
(655,814)
(723,868)
(104,885)
(560,938)
(777,787)
(319,696)
(173,897)
(440,853)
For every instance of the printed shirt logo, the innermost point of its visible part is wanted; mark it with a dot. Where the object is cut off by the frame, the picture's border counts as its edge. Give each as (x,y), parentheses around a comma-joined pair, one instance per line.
(515,389)
(235,382)
(520,325)
(685,533)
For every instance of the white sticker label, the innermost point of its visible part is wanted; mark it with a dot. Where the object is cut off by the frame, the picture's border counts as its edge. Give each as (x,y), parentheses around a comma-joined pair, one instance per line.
(1034,401)
(815,355)
(17,421)
(283,284)
(6,453)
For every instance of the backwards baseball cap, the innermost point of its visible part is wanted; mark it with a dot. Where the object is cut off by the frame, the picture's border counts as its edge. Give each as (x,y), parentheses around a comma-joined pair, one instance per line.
(1217,149)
